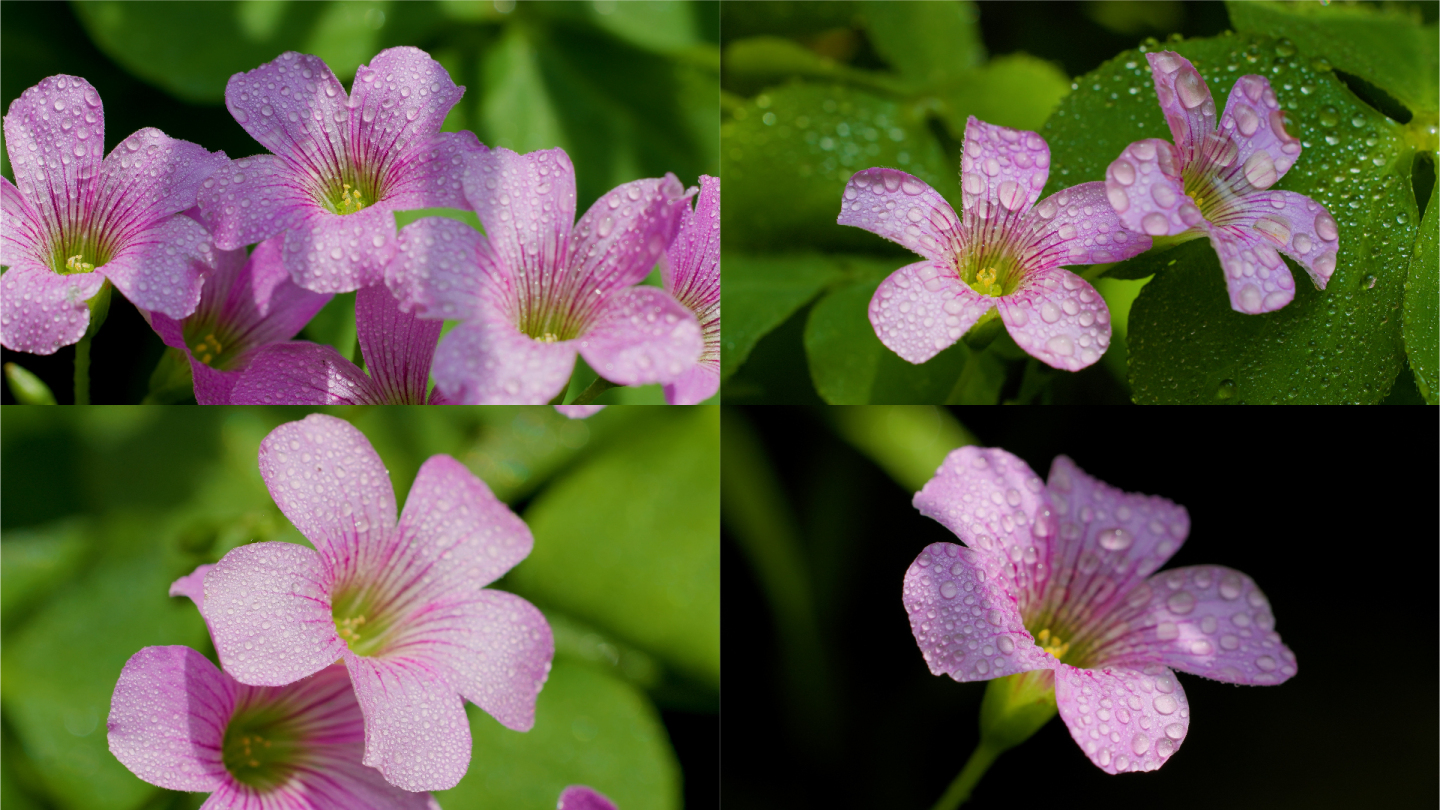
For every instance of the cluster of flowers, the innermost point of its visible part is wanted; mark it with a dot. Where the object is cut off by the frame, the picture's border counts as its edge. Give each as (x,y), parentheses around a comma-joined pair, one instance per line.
(1005,252)
(166,223)
(1058,579)
(345,668)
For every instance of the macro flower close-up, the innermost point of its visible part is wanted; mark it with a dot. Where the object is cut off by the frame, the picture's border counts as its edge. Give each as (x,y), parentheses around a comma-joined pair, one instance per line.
(691,273)
(403,604)
(1003,253)
(1216,180)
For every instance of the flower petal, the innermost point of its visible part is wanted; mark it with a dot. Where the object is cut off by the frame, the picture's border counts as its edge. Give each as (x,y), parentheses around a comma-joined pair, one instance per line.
(150,175)
(168,717)
(1058,319)
(441,267)
(492,363)
(1109,542)
(55,137)
(330,483)
(1263,151)
(268,606)
(641,336)
(1078,225)
(580,411)
(251,199)
(617,242)
(1123,719)
(1186,101)
(1205,619)
(993,502)
(433,177)
(1002,171)
(923,308)
(694,386)
(455,532)
(295,107)
(583,797)
(162,267)
(402,98)
(416,732)
(1144,187)
(903,209)
(192,585)
(691,271)
(21,230)
(1255,275)
(397,346)
(1295,225)
(965,619)
(327,252)
(259,303)
(41,310)
(527,205)
(304,373)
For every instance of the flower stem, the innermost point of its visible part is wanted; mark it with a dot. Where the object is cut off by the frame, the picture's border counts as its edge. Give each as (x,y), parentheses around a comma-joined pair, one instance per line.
(600,386)
(82,371)
(980,761)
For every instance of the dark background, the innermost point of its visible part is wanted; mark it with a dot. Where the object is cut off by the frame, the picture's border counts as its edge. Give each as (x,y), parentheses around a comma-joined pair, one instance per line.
(1336,524)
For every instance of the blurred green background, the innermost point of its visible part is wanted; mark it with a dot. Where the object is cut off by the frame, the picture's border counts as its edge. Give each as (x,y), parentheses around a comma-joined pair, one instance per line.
(628,89)
(103,507)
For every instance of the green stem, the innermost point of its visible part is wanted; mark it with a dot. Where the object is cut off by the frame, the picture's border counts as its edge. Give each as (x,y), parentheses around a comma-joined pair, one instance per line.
(959,790)
(82,371)
(600,386)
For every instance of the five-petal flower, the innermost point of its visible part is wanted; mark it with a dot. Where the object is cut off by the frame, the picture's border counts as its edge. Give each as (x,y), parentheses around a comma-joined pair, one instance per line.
(404,604)
(1217,182)
(1061,576)
(1005,252)
(71,220)
(691,272)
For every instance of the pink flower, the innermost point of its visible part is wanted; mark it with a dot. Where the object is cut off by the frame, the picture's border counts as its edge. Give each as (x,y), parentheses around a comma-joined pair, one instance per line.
(691,271)
(397,348)
(246,304)
(583,797)
(75,221)
(403,604)
(538,288)
(342,165)
(579,411)
(1004,253)
(1218,182)
(178,722)
(1060,576)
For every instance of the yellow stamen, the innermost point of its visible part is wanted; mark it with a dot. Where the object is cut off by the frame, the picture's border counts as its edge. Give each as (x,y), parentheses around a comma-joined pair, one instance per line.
(75,264)
(1052,644)
(350,200)
(349,629)
(549,337)
(208,349)
(986,283)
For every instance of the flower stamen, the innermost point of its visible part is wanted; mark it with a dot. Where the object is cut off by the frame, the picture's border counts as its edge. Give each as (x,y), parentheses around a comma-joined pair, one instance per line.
(1052,644)
(77,264)
(986,283)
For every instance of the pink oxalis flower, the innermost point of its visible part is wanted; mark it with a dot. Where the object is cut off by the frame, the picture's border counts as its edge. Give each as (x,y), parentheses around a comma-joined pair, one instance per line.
(1060,576)
(249,302)
(1003,253)
(179,722)
(1217,182)
(538,288)
(72,220)
(579,411)
(691,272)
(341,164)
(397,348)
(583,797)
(403,604)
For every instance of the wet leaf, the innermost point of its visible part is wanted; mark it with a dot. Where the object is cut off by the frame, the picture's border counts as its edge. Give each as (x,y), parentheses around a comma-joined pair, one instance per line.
(1422,312)
(927,43)
(35,561)
(761,292)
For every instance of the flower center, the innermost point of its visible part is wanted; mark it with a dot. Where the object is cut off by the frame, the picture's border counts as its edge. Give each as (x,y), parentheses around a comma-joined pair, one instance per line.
(546,326)
(212,343)
(360,621)
(350,193)
(985,283)
(1208,195)
(1052,643)
(207,350)
(259,747)
(79,255)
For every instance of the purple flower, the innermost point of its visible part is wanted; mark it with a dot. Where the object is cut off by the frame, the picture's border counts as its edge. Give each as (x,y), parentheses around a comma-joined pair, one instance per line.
(1217,182)
(1061,576)
(579,411)
(583,797)
(397,348)
(403,604)
(246,304)
(75,221)
(540,287)
(178,722)
(691,271)
(342,165)
(1004,253)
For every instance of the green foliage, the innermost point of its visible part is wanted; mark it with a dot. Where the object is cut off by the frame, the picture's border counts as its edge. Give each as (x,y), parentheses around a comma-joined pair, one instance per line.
(761,292)
(1185,342)
(1422,308)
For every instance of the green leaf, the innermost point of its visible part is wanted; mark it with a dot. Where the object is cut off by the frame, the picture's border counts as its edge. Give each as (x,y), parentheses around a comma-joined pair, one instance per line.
(909,442)
(516,110)
(980,380)
(34,561)
(1386,46)
(60,669)
(753,63)
(191,49)
(628,540)
(760,292)
(591,728)
(334,325)
(26,387)
(1422,312)
(1185,343)
(848,363)
(1015,90)
(928,43)
(789,152)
